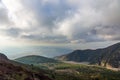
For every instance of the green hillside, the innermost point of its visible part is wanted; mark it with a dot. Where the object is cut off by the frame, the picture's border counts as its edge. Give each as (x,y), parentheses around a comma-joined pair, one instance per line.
(34,59)
(70,71)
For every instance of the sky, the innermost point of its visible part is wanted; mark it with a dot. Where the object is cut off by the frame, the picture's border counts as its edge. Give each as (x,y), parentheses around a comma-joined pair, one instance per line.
(39,26)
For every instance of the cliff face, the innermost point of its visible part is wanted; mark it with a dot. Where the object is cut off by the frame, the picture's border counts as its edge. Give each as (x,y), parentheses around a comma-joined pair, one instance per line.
(103,57)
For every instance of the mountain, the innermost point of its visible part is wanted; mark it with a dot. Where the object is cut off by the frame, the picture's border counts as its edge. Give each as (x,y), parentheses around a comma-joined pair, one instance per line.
(10,70)
(34,59)
(109,56)
(3,57)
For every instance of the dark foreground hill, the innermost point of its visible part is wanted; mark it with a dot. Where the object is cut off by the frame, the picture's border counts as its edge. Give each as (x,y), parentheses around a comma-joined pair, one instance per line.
(35,59)
(9,70)
(109,56)
(3,57)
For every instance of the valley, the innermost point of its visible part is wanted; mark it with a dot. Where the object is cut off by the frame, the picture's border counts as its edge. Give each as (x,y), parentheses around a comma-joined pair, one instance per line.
(59,39)
(61,68)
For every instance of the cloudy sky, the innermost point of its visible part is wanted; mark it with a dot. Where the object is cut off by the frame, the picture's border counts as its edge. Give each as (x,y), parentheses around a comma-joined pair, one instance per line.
(73,24)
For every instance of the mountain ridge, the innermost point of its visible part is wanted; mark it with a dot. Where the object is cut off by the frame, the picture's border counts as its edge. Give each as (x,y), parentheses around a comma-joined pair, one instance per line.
(109,56)
(3,57)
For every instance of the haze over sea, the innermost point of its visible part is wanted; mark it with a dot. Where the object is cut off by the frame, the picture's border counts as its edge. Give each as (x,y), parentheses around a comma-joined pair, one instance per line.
(49,50)
(14,52)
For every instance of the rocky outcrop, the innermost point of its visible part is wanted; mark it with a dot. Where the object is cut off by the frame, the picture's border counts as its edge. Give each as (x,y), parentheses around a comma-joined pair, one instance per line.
(3,57)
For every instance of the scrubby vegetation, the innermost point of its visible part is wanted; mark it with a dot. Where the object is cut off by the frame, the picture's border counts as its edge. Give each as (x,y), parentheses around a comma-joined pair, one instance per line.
(65,71)
(10,71)
(55,71)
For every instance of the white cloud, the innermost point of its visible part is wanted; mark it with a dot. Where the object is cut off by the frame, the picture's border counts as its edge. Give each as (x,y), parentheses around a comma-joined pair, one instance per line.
(60,21)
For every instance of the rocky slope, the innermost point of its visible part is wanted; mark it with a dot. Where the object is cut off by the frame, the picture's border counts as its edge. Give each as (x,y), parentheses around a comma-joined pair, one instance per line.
(109,56)
(11,71)
(3,57)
